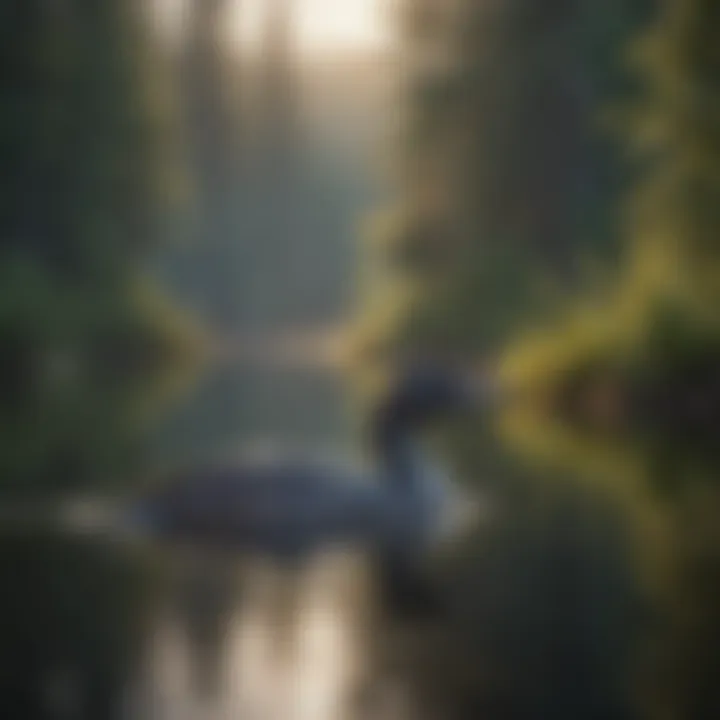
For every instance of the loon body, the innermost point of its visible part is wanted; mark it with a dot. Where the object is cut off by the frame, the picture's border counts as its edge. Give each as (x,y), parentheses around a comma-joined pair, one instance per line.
(290,509)
(284,508)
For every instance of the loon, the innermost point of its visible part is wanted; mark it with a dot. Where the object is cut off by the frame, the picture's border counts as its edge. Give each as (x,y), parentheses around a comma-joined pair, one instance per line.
(290,509)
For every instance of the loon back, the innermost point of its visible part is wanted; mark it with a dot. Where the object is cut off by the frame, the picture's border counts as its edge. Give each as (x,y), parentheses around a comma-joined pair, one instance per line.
(292,508)
(279,507)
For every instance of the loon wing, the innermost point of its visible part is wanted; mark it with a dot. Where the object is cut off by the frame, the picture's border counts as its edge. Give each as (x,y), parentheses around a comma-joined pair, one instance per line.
(262,504)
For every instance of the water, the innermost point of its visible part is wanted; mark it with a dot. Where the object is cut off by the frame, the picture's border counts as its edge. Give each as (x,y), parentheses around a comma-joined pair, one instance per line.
(234,407)
(95,631)
(546,615)
(97,627)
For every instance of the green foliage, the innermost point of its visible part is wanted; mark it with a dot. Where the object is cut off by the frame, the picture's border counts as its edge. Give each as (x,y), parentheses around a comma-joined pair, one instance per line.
(656,324)
(656,332)
(506,181)
(86,182)
(83,141)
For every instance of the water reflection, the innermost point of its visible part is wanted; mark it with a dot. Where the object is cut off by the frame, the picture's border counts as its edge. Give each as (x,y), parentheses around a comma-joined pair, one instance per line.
(258,641)
(97,631)
(230,406)
(93,627)
(543,608)
(242,638)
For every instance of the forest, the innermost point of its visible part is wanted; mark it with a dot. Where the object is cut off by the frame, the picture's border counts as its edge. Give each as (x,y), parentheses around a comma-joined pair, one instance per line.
(538,196)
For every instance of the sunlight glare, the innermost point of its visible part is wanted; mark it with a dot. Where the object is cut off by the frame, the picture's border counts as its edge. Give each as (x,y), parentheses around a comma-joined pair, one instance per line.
(322,27)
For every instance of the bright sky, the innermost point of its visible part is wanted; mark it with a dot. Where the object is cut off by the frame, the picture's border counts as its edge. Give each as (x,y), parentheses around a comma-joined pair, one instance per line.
(323,26)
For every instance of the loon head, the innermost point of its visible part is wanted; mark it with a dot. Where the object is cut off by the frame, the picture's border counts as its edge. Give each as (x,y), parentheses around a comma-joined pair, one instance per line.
(421,395)
(424,393)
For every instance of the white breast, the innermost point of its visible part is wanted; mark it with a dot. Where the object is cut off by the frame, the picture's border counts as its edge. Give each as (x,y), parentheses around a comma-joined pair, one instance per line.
(451,511)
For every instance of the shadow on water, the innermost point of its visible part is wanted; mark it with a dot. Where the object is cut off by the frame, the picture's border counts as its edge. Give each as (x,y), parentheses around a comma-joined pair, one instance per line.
(74,614)
(99,630)
(246,639)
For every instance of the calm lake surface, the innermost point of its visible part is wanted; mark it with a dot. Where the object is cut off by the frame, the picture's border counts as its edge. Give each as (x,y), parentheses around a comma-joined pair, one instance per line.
(95,627)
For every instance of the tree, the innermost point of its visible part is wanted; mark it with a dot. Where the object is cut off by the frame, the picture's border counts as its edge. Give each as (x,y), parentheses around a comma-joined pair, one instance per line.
(505,182)
(655,334)
(85,182)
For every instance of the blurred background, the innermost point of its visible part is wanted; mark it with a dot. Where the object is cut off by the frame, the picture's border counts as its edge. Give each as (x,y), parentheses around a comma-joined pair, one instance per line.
(220,219)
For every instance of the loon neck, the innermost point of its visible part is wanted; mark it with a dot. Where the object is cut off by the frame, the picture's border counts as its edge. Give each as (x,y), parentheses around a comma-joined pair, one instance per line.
(402,463)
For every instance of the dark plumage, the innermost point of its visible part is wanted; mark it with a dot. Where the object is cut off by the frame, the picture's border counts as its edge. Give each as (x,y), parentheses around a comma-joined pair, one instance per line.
(290,509)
